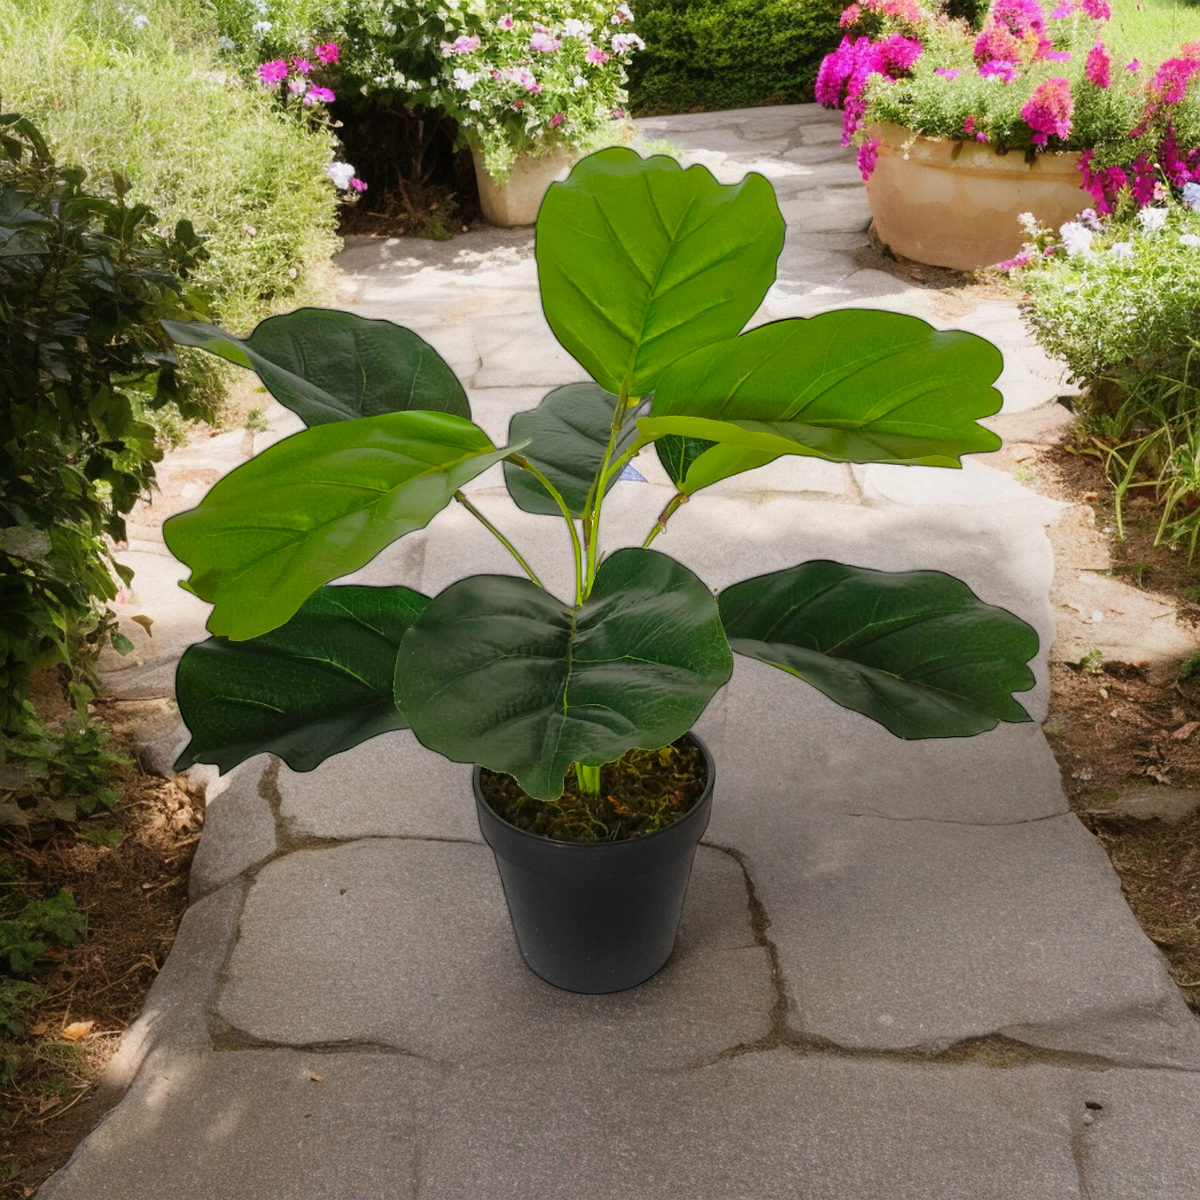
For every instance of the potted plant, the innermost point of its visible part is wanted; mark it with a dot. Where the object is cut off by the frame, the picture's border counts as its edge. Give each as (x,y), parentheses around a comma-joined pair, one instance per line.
(648,275)
(532,87)
(959,131)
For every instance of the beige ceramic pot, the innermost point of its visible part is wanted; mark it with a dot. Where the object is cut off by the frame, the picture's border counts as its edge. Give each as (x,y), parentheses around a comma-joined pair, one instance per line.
(516,201)
(955,204)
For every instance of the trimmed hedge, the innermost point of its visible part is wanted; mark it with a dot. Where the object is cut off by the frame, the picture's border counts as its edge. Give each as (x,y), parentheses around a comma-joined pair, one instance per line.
(729,53)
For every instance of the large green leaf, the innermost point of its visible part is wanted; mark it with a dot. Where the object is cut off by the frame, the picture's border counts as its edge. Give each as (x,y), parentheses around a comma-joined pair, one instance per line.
(567,434)
(642,262)
(849,386)
(316,686)
(327,365)
(498,672)
(317,506)
(916,651)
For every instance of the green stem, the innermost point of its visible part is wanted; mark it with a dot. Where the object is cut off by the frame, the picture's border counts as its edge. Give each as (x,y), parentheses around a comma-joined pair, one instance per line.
(596,498)
(525,465)
(588,779)
(499,536)
(664,517)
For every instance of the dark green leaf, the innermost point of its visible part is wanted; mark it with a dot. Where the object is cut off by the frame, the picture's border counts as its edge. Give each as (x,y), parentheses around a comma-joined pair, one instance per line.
(498,672)
(641,262)
(317,506)
(677,454)
(848,386)
(327,365)
(916,651)
(316,686)
(567,434)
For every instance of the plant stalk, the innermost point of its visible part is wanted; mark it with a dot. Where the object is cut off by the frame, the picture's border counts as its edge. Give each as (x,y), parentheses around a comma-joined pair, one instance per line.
(498,536)
(664,517)
(525,465)
(588,779)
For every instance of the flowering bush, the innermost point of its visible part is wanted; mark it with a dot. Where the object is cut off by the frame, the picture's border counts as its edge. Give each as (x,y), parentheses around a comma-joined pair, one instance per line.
(1030,80)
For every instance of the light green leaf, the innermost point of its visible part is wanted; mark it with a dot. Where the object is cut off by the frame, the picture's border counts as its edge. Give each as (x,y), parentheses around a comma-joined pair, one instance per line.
(317,506)
(314,687)
(567,434)
(916,651)
(498,672)
(641,262)
(848,386)
(327,365)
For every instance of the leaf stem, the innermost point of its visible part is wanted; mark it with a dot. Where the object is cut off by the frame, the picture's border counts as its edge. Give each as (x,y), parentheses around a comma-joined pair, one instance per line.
(521,461)
(588,779)
(498,536)
(664,517)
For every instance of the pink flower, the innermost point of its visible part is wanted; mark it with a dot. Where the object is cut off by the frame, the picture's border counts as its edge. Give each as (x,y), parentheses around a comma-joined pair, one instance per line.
(1004,71)
(505,22)
(1049,110)
(557,120)
(358,185)
(1098,65)
(1133,65)
(274,71)
(1063,11)
(464,44)
(999,44)
(1170,82)
(619,113)
(1018,16)
(297,86)
(896,54)
(319,95)
(302,65)
(522,76)
(946,72)
(543,43)
(850,16)
(327,52)
(868,155)
(1098,10)
(626,41)
(595,55)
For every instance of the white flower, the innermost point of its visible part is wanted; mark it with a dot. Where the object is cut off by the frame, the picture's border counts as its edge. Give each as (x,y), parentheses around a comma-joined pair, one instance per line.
(622,15)
(573,28)
(261,27)
(141,21)
(1121,249)
(580,82)
(1076,238)
(474,105)
(1152,219)
(464,80)
(1191,194)
(626,41)
(226,43)
(1189,239)
(1028,222)
(341,173)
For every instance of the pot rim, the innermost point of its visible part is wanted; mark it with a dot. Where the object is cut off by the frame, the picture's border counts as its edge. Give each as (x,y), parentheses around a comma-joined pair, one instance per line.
(702,804)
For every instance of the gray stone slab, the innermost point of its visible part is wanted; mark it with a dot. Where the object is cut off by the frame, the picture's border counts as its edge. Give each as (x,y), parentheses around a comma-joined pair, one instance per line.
(175,1012)
(898,934)
(519,350)
(239,828)
(1139,1134)
(258,1125)
(772,1126)
(408,944)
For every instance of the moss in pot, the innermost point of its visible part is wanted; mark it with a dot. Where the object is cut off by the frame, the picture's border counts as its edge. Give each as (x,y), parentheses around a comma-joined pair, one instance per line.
(648,274)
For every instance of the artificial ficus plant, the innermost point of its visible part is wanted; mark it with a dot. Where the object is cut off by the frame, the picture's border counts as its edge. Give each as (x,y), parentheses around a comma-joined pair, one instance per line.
(648,274)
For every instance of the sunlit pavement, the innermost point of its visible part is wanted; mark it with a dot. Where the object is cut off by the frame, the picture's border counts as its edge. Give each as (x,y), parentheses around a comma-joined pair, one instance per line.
(905,969)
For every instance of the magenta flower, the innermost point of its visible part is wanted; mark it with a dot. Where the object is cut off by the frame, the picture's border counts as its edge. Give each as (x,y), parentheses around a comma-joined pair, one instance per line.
(868,155)
(274,71)
(302,66)
(557,120)
(319,95)
(1098,10)
(1098,66)
(1170,82)
(543,43)
(1018,16)
(505,22)
(1048,111)
(896,54)
(327,52)
(996,43)
(1063,11)
(946,72)
(358,185)
(595,55)
(1133,65)
(1004,71)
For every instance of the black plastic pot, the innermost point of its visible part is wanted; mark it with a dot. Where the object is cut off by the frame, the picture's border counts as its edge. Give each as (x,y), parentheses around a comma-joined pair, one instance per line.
(601,916)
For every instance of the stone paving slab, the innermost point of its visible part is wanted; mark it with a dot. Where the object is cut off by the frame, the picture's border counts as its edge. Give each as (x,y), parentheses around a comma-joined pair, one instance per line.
(407,944)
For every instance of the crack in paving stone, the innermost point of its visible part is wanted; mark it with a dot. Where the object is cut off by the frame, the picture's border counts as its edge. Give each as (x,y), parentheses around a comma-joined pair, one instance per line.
(953,821)
(991,1050)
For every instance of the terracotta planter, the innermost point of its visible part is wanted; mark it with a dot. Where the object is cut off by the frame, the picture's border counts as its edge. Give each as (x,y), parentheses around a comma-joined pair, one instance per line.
(955,204)
(516,201)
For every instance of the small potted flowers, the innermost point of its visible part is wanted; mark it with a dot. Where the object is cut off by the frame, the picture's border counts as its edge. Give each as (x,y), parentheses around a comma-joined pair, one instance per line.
(960,130)
(532,87)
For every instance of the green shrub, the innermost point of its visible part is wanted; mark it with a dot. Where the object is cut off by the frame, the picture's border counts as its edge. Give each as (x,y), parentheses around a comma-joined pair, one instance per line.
(198,141)
(84,281)
(730,53)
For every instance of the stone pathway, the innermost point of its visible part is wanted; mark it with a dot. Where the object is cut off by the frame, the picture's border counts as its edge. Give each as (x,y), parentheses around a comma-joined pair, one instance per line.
(905,969)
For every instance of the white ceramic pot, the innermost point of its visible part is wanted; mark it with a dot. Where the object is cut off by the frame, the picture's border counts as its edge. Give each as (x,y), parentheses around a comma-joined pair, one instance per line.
(955,204)
(516,201)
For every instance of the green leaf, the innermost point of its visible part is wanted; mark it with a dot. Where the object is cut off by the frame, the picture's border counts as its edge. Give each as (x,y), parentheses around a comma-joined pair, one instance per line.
(677,454)
(916,651)
(327,365)
(316,686)
(316,506)
(567,434)
(499,672)
(848,386)
(641,262)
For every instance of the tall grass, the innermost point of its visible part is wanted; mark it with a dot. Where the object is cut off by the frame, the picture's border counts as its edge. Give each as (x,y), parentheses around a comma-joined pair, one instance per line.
(1152,30)
(152,101)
